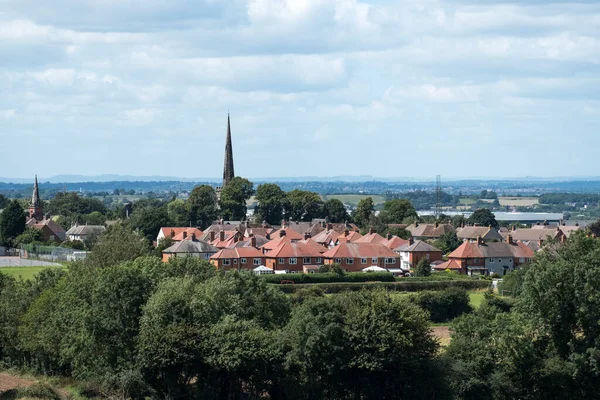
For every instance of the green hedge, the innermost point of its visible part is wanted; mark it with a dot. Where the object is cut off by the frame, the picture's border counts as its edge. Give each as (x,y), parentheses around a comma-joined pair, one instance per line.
(331,277)
(444,305)
(392,286)
(437,276)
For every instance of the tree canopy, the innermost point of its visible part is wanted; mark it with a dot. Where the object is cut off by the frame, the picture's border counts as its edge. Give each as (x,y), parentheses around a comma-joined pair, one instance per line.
(272,202)
(12,223)
(483,217)
(234,197)
(396,211)
(303,205)
(202,206)
(363,212)
(335,211)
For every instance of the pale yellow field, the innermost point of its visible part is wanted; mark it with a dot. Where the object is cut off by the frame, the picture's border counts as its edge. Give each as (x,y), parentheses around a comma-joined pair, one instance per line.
(518,201)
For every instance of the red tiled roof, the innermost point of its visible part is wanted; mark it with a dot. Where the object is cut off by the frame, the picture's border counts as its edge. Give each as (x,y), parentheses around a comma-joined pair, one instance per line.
(272,244)
(450,264)
(395,242)
(188,231)
(326,236)
(370,238)
(310,242)
(360,250)
(491,249)
(289,233)
(238,252)
(288,249)
(352,237)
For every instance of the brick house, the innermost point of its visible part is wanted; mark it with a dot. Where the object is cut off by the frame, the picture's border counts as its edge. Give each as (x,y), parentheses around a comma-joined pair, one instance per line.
(355,256)
(292,256)
(191,247)
(416,250)
(486,258)
(238,258)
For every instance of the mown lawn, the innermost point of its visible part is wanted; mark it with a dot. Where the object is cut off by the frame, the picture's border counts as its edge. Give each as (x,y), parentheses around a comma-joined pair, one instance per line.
(355,198)
(25,272)
(476,298)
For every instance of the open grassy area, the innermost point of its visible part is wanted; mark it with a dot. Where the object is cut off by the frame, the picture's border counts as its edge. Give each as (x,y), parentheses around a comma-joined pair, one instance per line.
(476,298)
(466,201)
(25,272)
(518,201)
(353,199)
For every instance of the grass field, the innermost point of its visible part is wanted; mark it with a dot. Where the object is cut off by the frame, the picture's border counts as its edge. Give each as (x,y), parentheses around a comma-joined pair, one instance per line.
(25,272)
(476,298)
(466,201)
(353,199)
(518,201)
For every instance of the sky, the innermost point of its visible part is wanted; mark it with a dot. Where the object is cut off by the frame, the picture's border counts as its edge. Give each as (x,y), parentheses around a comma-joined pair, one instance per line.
(460,88)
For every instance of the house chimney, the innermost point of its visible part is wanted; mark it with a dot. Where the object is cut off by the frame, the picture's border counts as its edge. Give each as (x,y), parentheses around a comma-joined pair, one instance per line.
(193,236)
(509,239)
(389,236)
(479,240)
(371,231)
(346,232)
(436,224)
(563,239)
(417,223)
(540,242)
(281,233)
(329,226)
(307,235)
(253,241)
(184,235)
(411,241)
(172,232)
(212,236)
(264,224)
(221,235)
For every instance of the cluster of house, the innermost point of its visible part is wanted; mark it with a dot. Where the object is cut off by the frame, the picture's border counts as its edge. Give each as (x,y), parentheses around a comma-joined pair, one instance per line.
(304,246)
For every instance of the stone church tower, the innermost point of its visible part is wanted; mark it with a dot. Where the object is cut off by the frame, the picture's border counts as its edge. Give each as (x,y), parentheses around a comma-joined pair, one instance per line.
(35,209)
(228,171)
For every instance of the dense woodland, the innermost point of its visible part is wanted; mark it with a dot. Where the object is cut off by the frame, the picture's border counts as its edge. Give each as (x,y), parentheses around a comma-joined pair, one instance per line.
(136,327)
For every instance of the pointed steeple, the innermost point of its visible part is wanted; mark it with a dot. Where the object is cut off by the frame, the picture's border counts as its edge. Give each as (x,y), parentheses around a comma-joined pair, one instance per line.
(228,172)
(35,210)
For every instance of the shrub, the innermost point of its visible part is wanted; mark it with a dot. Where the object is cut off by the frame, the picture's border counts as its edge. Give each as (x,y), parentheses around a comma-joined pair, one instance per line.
(38,391)
(338,287)
(444,305)
(331,277)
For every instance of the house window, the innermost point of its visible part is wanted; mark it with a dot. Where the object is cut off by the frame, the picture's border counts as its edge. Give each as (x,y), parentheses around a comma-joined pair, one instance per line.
(476,260)
(318,260)
(427,256)
(256,261)
(390,261)
(374,260)
(242,261)
(281,261)
(207,256)
(293,261)
(491,260)
(363,260)
(337,261)
(521,260)
(500,260)
(235,260)
(226,261)
(307,260)
(349,261)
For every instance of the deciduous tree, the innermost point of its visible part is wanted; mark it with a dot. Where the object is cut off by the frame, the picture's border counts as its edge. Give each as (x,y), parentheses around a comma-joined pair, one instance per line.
(363,212)
(272,202)
(335,211)
(202,206)
(12,223)
(234,197)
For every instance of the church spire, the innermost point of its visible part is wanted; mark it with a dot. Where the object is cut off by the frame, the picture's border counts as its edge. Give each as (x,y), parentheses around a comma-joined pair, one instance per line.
(228,172)
(35,210)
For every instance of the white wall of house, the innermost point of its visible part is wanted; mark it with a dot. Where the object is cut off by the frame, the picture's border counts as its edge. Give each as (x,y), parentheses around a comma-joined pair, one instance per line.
(405,260)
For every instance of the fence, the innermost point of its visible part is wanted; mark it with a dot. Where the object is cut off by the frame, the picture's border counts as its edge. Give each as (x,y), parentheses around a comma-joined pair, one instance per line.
(50,253)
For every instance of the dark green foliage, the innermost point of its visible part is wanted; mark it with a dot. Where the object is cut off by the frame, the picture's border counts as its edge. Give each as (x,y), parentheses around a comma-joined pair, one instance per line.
(272,201)
(71,204)
(30,235)
(12,223)
(333,268)
(448,242)
(335,211)
(234,197)
(3,201)
(178,213)
(396,211)
(41,391)
(404,286)
(149,219)
(202,206)
(117,244)
(423,268)
(363,212)
(303,205)
(444,305)
(483,217)
(328,277)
